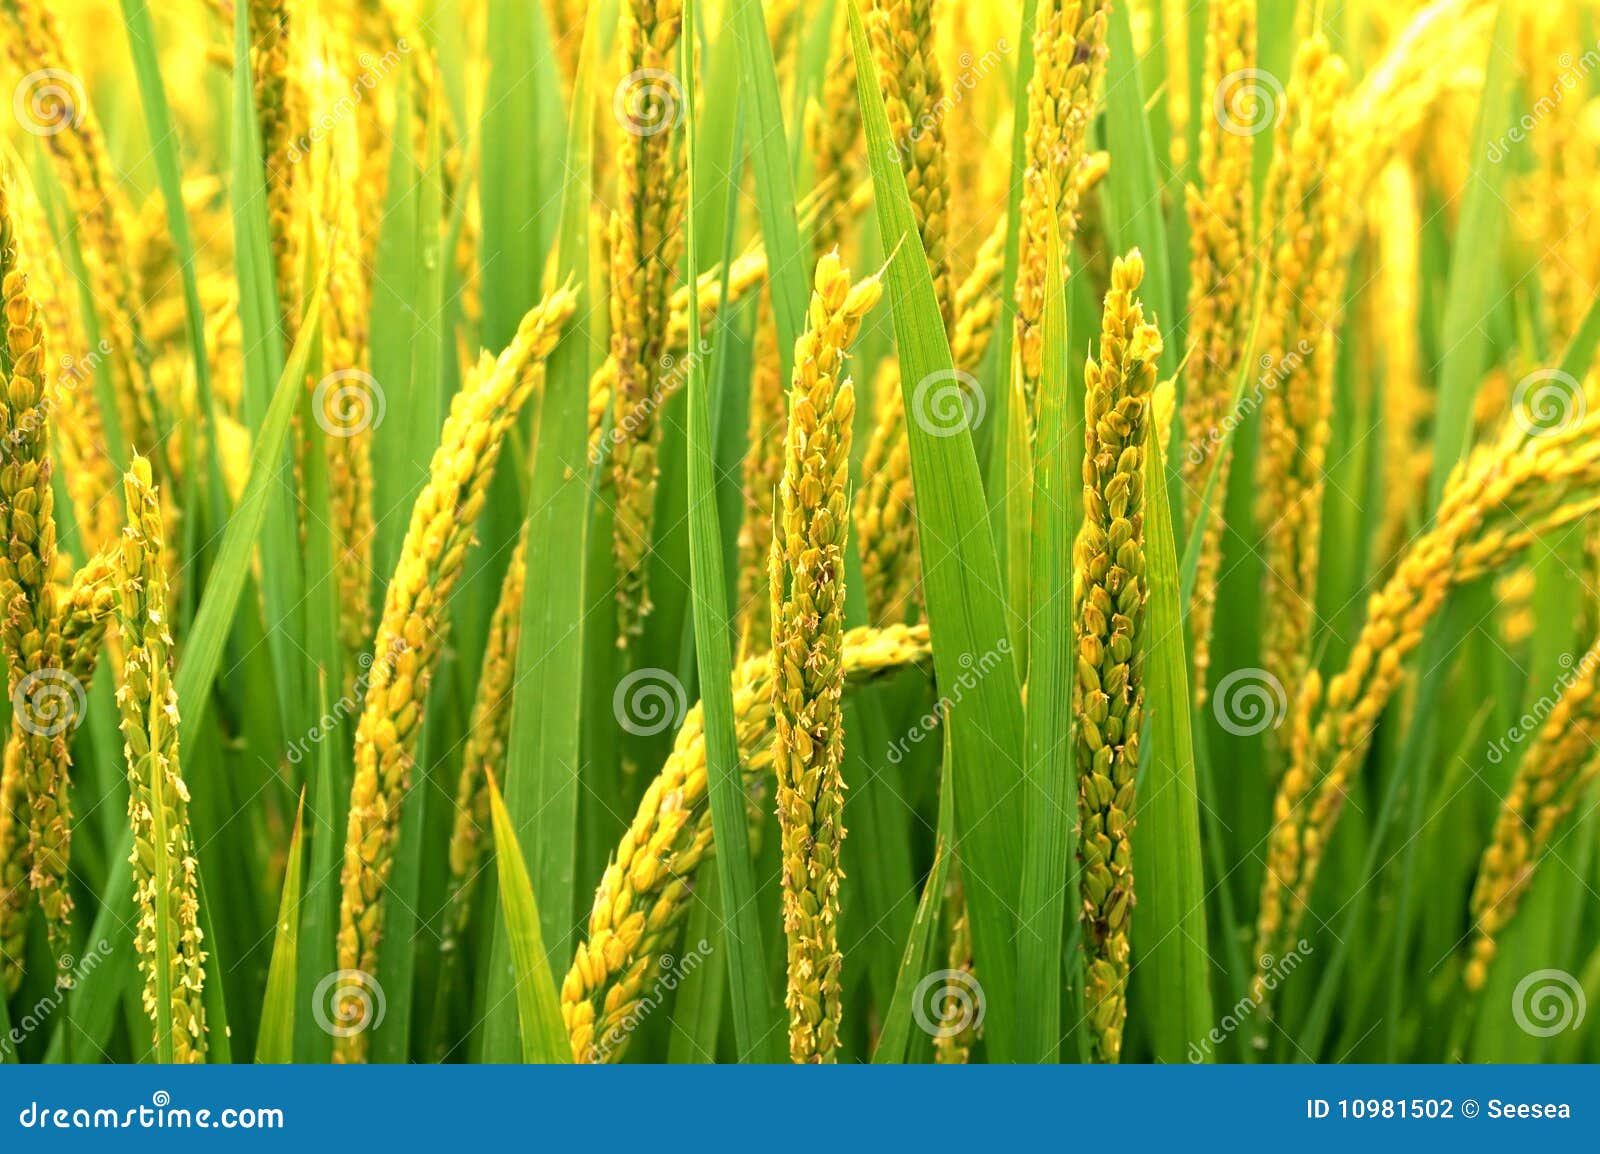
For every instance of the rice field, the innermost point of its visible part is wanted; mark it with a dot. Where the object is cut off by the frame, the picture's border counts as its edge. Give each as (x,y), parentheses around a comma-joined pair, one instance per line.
(717,531)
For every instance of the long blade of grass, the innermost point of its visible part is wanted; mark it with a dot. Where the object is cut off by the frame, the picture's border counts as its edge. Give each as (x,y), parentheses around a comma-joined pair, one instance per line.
(774,183)
(961,579)
(275,1043)
(741,931)
(544,1035)
(164,151)
(1133,190)
(1051,809)
(1475,261)
(1171,973)
(264,356)
(542,759)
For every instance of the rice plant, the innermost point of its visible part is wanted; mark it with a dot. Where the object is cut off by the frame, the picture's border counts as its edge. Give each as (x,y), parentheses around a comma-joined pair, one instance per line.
(707,530)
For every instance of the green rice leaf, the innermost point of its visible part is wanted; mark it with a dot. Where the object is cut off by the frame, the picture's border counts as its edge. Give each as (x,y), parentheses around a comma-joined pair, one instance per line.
(774,184)
(753,1022)
(961,580)
(276,1040)
(542,756)
(911,997)
(1171,992)
(544,1035)
(1050,789)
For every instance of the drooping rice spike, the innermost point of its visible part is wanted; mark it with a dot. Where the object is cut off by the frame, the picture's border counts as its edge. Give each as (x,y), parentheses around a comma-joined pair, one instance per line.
(45,700)
(280,113)
(1498,502)
(1109,685)
(643,897)
(1554,774)
(1307,204)
(645,242)
(484,750)
(810,528)
(59,109)
(1069,46)
(415,620)
(1220,274)
(166,882)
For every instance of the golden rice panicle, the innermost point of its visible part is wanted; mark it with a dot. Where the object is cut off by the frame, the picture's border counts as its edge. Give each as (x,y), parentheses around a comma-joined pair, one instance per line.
(43,696)
(1109,686)
(85,606)
(166,886)
(14,862)
(885,513)
(484,750)
(952,1044)
(807,579)
(415,619)
(345,400)
(273,61)
(833,127)
(1554,774)
(761,473)
(1220,227)
(643,896)
(1436,55)
(645,242)
(1496,504)
(905,47)
(1307,205)
(1069,48)
(71,132)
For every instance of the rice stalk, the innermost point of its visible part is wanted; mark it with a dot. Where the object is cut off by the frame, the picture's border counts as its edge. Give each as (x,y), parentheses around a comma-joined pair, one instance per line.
(43,696)
(906,50)
(1109,685)
(166,882)
(414,622)
(83,165)
(280,113)
(1221,227)
(1306,203)
(1069,49)
(810,528)
(645,243)
(761,475)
